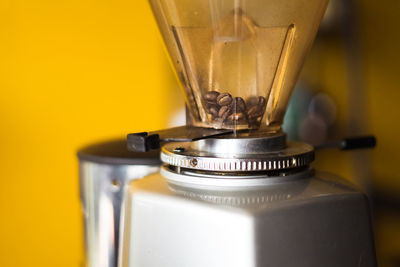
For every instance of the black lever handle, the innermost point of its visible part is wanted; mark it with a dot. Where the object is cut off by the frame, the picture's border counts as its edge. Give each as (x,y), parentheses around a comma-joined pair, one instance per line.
(146,141)
(351,143)
(362,142)
(143,142)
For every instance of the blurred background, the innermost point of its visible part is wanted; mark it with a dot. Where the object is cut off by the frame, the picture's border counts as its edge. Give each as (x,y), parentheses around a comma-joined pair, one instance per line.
(78,72)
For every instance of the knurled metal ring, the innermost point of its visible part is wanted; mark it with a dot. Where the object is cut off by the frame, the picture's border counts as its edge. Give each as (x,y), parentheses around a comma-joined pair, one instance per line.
(184,156)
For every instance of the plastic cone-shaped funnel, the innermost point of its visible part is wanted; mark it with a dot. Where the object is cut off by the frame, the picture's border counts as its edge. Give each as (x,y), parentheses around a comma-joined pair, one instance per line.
(238,60)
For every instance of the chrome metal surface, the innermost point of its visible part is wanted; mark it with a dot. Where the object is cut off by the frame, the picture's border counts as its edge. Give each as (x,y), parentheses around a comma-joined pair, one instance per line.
(241,144)
(235,198)
(192,155)
(101,192)
(320,221)
(217,182)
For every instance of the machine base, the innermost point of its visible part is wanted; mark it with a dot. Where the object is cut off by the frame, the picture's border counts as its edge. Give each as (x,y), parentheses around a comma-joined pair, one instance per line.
(310,222)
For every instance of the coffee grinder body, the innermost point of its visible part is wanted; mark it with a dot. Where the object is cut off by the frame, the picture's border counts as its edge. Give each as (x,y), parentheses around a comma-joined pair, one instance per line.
(188,218)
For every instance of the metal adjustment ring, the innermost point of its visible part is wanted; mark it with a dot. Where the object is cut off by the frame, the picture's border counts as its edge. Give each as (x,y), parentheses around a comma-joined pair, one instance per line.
(293,156)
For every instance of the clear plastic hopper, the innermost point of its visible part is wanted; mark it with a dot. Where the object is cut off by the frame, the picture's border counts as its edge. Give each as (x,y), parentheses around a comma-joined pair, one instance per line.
(238,60)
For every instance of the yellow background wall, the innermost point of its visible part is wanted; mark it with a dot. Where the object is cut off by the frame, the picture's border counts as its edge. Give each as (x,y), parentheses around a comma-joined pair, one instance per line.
(73,72)
(378,30)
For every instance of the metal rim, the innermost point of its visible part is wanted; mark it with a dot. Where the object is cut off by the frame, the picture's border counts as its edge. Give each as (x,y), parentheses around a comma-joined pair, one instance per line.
(183,155)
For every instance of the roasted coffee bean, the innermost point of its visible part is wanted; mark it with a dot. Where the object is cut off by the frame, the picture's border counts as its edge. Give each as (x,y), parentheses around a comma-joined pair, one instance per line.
(224,99)
(239,105)
(256,101)
(213,110)
(252,101)
(236,116)
(254,124)
(255,112)
(262,102)
(224,112)
(211,96)
(210,105)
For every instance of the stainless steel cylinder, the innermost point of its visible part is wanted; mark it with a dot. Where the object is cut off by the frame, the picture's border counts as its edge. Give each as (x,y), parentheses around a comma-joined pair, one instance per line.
(105,170)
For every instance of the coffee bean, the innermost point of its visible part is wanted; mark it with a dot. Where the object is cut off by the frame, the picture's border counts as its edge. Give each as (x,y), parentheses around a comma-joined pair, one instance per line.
(224,112)
(262,102)
(211,96)
(239,105)
(255,112)
(254,123)
(224,99)
(252,101)
(213,110)
(256,101)
(252,111)
(210,105)
(236,116)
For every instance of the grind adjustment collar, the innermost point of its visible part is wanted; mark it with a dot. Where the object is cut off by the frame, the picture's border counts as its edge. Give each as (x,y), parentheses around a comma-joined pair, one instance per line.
(187,155)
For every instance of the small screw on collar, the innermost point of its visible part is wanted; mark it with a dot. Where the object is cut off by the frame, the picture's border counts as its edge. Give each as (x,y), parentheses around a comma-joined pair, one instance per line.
(193,162)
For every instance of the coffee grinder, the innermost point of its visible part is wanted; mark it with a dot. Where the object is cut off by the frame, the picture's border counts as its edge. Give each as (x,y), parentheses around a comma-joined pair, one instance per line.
(232,191)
